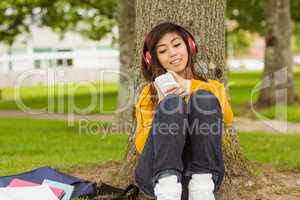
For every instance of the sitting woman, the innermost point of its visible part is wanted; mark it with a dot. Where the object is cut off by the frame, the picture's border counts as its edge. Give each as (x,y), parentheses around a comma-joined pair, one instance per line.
(179,130)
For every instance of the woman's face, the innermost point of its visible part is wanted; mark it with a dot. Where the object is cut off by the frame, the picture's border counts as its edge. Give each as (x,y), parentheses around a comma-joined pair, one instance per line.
(172,53)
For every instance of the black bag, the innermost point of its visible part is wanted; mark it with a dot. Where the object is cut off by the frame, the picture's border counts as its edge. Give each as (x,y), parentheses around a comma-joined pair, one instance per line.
(82,188)
(108,192)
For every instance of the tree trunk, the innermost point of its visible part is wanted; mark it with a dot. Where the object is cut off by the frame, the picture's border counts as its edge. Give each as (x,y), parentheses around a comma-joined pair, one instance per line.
(277,86)
(206,21)
(126,25)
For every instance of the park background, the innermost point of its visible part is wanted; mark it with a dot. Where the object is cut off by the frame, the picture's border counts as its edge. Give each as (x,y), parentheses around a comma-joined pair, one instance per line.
(56,57)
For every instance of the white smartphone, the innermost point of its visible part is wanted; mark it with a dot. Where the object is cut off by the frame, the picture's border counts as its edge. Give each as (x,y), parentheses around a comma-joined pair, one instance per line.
(164,81)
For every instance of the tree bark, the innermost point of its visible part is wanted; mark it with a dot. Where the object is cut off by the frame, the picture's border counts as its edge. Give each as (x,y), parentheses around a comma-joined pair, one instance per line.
(277,85)
(126,25)
(206,21)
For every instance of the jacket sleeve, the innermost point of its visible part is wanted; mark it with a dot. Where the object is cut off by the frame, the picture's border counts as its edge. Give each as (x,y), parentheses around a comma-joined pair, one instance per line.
(227,111)
(143,114)
(218,89)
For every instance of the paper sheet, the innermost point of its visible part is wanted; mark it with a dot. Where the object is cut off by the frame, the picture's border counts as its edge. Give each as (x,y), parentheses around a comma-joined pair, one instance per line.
(27,193)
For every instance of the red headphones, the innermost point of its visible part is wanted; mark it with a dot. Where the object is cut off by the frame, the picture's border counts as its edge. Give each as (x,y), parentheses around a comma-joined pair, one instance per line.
(191,45)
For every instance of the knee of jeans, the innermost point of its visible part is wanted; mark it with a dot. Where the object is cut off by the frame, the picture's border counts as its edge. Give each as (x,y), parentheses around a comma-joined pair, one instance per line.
(205,100)
(172,102)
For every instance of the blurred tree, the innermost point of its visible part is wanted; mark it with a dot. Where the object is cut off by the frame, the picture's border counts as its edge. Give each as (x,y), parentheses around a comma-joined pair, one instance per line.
(206,20)
(250,16)
(238,42)
(277,86)
(255,16)
(91,18)
(126,25)
(296,38)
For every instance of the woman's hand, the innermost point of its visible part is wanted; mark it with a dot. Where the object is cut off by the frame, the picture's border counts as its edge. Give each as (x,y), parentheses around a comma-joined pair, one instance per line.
(171,90)
(183,88)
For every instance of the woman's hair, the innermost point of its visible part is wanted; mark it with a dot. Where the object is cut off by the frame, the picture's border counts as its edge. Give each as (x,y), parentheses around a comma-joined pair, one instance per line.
(154,69)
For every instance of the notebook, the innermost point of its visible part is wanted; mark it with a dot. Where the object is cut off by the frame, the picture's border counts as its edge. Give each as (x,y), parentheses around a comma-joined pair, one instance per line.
(4,196)
(67,188)
(40,192)
(59,193)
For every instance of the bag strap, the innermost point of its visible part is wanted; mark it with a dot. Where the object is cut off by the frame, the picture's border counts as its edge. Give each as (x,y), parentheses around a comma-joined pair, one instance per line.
(105,189)
(131,191)
(134,194)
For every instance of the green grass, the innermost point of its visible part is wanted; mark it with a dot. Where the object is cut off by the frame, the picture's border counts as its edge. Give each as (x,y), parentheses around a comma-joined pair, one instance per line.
(241,85)
(67,98)
(26,144)
(281,150)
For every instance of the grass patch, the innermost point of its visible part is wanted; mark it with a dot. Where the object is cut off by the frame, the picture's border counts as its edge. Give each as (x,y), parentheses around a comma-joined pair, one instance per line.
(26,144)
(241,85)
(281,150)
(69,98)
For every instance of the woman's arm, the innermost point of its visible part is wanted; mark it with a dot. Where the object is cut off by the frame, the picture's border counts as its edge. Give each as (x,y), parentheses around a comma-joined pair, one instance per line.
(144,115)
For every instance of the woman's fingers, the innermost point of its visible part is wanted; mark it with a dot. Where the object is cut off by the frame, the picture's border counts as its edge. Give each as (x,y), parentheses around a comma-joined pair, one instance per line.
(171,89)
(159,92)
(181,88)
(178,89)
(182,93)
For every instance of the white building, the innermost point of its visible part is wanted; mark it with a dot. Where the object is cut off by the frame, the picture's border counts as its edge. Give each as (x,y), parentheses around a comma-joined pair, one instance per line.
(77,57)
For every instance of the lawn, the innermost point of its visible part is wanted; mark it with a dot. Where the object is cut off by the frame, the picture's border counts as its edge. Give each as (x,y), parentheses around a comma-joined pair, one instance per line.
(282,150)
(75,98)
(240,84)
(26,144)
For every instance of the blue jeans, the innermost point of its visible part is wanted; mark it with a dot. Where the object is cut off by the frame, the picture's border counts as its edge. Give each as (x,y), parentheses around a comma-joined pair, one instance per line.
(185,138)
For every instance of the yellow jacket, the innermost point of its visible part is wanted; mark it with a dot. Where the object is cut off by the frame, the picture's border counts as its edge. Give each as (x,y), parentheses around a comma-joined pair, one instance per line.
(144,108)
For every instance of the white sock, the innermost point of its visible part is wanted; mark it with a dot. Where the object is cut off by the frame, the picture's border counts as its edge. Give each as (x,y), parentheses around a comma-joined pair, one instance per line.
(201,187)
(168,188)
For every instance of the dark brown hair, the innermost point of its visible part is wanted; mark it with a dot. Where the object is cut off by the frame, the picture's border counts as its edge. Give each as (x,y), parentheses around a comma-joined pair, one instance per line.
(155,69)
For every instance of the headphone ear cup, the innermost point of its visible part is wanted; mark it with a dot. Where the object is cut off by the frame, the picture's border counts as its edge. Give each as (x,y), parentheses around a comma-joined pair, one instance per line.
(148,58)
(192,46)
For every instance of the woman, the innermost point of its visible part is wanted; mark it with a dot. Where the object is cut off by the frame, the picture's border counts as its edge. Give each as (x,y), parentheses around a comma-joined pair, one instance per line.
(178,132)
